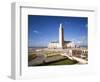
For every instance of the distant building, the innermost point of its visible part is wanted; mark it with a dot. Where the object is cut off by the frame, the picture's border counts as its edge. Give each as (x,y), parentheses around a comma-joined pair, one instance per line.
(61,43)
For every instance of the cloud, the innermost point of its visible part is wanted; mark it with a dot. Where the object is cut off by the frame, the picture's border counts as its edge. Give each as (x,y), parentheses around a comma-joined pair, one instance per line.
(36,32)
(80,41)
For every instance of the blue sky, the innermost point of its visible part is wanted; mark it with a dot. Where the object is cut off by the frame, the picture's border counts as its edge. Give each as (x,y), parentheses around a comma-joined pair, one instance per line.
(44,29)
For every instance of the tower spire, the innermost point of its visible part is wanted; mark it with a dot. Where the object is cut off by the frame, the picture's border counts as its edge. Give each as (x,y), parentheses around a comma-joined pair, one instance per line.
(61,36)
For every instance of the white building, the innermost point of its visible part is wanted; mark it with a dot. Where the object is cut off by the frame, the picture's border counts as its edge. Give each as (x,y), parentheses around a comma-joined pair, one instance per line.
(61,43)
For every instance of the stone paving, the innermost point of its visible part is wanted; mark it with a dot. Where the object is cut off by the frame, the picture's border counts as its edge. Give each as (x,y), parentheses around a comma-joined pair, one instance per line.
(40,59)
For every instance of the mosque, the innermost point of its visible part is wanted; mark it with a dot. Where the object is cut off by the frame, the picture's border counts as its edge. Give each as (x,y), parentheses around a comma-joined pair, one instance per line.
(61,44)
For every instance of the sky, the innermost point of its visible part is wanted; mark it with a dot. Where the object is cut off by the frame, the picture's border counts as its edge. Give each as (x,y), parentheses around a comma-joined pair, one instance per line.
(45,29)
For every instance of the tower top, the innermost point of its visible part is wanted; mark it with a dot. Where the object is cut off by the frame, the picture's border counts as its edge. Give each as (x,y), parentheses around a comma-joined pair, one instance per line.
(61,25)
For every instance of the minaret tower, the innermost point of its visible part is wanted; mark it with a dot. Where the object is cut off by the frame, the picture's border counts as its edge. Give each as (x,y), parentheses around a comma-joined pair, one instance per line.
(61,36)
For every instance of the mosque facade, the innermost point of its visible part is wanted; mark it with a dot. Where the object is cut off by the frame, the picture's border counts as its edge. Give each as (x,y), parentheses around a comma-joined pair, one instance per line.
(61,44)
